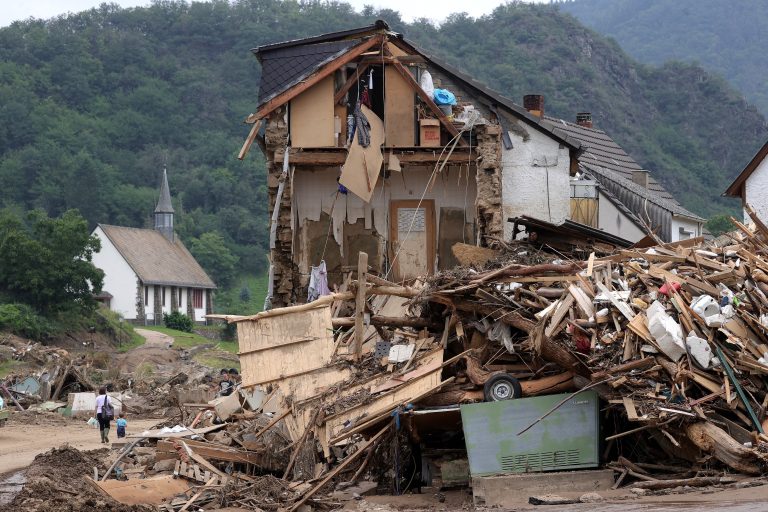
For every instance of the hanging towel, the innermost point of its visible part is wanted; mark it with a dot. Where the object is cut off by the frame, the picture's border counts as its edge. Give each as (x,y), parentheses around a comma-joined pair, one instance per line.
(318,282)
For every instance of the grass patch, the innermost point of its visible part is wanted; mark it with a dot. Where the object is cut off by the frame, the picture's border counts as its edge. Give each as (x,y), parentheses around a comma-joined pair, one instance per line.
(137,340)
(244,297)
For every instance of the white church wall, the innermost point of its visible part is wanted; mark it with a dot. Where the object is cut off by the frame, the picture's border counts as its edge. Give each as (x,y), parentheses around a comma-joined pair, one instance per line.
(119,277)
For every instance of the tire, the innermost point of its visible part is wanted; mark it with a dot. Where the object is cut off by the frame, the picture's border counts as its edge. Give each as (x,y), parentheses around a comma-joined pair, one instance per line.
(502,386)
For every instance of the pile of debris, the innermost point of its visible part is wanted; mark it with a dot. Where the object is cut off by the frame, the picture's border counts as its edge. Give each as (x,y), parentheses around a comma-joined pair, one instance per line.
(335,394)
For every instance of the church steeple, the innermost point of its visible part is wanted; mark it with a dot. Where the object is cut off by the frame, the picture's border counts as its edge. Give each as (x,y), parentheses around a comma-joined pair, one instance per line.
(164,210)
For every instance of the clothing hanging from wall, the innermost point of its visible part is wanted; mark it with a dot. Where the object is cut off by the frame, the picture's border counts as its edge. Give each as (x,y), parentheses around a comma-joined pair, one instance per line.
(318,282)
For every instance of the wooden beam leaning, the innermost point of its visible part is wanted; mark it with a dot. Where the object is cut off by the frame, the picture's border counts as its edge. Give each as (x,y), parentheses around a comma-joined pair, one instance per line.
(249,141)
(426,99)
(352,80)
(327,70)
(362,270)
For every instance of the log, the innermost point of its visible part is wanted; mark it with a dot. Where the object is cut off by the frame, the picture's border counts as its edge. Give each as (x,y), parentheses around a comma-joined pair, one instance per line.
(389,321)
(646,362)
(553,352)
(712,439)
(701,481)
(548,385)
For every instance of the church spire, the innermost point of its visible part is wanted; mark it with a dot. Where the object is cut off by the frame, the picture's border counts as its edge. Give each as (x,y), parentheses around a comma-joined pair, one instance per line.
(164,210)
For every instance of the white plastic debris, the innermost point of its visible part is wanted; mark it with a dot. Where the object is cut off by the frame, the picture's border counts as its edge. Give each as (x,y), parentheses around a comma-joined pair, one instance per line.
(699,349)
(666,332)
(705,306)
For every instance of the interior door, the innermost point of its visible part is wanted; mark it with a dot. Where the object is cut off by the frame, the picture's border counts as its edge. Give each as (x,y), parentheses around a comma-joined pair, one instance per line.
(412,238)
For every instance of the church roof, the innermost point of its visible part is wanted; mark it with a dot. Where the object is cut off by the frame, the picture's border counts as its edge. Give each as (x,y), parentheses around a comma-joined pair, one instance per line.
(164,203)
(155,259)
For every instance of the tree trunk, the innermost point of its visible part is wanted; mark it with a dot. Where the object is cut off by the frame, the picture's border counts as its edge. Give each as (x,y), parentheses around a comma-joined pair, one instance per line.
(714,440)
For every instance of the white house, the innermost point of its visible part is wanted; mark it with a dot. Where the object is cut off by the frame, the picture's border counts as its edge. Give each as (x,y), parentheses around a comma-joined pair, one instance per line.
(148,272)
(751,185)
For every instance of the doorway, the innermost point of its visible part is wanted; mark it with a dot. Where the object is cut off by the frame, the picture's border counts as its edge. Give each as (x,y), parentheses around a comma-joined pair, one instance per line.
(412,238)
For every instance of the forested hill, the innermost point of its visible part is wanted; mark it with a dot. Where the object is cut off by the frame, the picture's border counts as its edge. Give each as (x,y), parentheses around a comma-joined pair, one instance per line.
(727,36)
(93,106)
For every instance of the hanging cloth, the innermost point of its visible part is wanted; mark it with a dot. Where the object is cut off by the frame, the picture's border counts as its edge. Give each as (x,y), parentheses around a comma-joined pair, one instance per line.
(362,127)
(318,282)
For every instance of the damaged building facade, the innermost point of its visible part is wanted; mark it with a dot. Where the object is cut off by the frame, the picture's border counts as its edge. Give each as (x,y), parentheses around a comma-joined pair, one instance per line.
(450,174)
(439,159)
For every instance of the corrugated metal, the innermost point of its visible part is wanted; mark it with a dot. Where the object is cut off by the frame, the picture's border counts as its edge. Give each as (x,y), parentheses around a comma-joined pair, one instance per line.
(657,217)
(566,439)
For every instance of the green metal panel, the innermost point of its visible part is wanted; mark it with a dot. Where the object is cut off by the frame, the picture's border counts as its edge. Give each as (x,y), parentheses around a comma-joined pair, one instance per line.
(566,439)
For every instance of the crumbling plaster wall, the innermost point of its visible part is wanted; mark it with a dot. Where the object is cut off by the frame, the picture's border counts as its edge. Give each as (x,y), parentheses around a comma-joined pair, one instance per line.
(276,138)
(355,222)
(535,178)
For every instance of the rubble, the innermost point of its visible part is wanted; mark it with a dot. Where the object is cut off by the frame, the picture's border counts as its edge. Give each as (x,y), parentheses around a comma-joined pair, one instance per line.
(327,410)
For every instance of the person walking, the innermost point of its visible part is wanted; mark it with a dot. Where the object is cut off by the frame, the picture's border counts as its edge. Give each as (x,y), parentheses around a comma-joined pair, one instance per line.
(104,414)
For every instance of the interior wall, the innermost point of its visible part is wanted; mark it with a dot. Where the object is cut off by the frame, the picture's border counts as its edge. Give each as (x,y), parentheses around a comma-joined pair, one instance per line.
(360,226)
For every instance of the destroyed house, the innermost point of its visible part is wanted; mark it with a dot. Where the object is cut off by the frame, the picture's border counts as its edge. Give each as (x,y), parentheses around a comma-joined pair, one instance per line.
(372,145)
(615,194)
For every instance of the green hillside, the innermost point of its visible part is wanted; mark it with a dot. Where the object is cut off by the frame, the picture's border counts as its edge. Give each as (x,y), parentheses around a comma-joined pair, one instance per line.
(726,36)
(93,106)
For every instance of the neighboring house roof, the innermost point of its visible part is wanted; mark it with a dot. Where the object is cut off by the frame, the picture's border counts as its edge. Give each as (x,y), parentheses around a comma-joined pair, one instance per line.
(568,228)
(164,203)
(155,259)
(611,163)
(622,208)
(737,187)
(286,64)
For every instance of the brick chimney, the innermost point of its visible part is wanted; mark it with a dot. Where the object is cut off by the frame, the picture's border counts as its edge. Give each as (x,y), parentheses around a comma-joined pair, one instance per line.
(534,103)
(584,119)
(640,176)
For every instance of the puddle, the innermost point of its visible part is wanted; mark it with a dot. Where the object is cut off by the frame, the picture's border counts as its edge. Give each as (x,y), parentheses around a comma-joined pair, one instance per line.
(10,486)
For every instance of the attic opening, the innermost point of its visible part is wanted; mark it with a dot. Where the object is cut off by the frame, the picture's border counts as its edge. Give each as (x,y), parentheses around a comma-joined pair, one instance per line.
(370,84)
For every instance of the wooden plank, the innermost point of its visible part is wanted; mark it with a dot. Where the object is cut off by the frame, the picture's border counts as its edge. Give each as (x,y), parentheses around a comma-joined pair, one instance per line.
(249,141)
(158,434)
(362,271)
(312,116)
(585,305)
(198,494)
(282,346)
(406,156)
(147,491)
(559,315)
(622,306)
(629,405)
(325,71)
(399,114)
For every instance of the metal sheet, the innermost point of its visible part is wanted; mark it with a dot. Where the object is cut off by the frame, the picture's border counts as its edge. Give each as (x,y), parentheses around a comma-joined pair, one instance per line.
(566,439)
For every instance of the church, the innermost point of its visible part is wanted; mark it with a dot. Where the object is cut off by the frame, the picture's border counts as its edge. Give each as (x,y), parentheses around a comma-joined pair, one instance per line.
(149,272)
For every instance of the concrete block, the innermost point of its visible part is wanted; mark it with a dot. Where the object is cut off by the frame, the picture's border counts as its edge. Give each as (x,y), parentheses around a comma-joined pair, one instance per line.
(511,491)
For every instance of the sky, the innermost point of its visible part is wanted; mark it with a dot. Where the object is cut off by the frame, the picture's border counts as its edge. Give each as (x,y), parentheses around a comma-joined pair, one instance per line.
(12,10)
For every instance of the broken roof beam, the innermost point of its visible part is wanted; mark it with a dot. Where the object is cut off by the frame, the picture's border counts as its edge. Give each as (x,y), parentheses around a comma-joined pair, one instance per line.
(415,156)
(427,100)
(324,72)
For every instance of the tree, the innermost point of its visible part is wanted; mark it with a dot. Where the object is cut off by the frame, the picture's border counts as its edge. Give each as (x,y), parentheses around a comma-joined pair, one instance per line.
(212,253)
(47,262)
(719,224)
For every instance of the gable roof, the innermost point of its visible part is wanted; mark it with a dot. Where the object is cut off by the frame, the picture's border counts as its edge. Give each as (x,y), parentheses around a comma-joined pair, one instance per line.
(286,64)
(736,188)
(155,259)
(609,161)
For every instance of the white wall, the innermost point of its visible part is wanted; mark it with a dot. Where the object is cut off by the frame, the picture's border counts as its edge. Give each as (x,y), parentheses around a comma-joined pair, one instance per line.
(688,225)
(535,180)
(119,277)
(756,191)
(612,220)
(200,312)
(149,306)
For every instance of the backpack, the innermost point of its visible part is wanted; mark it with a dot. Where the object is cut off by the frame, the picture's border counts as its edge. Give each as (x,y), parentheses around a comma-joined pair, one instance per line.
(107,411)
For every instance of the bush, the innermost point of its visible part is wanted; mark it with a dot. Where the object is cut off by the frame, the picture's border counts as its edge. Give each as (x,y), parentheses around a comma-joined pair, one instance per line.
(178,321)
(22,320)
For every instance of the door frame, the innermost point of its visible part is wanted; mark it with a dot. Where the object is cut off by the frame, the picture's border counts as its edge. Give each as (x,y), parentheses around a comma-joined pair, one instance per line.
(429,212)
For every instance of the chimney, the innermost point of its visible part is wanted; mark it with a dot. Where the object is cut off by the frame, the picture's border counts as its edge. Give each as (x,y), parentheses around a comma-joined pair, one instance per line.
(584,119)
(534,103)
(640,176)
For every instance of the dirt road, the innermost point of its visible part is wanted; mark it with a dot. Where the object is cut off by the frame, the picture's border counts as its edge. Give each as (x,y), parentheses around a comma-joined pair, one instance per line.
(20,443)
